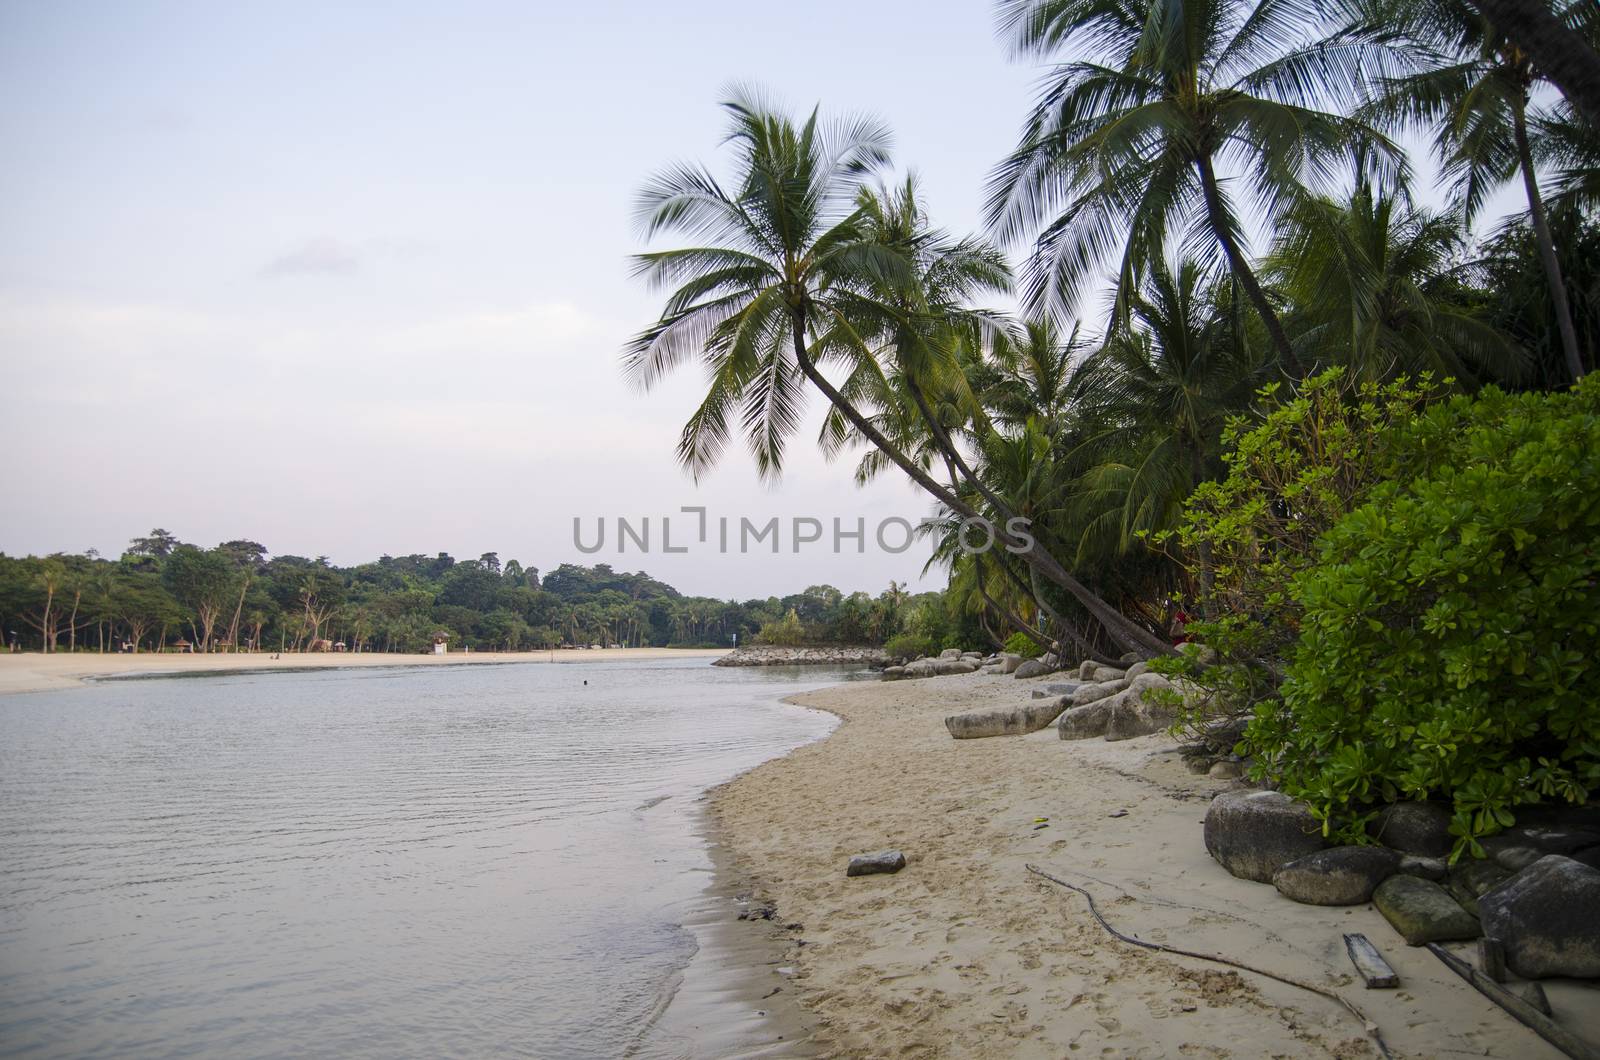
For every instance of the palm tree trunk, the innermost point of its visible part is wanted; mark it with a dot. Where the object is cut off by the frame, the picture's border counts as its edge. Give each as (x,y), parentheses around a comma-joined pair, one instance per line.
(1559,53)
(1541,236)
(1241,267)
(1128,635)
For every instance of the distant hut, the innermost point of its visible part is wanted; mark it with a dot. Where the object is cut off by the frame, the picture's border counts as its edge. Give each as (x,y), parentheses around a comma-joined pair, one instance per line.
(441,643)
(183,645)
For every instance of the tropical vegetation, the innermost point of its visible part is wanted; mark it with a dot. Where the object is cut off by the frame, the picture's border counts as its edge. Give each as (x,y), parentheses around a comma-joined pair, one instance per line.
(1230,306)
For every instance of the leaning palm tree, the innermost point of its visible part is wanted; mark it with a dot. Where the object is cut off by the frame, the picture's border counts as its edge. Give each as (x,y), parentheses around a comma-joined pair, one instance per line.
(1160,116)
(786,256)
(1474,90)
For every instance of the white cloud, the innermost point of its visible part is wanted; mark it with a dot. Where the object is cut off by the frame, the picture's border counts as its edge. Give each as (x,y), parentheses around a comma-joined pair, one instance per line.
(321,256)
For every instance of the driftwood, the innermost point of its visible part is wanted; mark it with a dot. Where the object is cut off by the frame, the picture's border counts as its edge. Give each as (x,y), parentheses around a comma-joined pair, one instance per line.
(1370,965)
(1370,1027)
(1492,956)
(1522,1010)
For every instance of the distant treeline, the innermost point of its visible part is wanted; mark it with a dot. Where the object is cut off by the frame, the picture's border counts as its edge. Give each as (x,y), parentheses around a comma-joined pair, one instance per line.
(163,594)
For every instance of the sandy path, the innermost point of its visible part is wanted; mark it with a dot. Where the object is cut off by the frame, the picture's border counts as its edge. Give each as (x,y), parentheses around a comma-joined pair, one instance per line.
(36,672)
(964,953)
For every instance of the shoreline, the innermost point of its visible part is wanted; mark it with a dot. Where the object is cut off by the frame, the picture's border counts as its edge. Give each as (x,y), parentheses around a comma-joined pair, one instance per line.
(27,672)
(964,952)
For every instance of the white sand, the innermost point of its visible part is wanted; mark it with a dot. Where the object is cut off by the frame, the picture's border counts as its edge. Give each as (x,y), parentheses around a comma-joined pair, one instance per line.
(37,672)
(964,953)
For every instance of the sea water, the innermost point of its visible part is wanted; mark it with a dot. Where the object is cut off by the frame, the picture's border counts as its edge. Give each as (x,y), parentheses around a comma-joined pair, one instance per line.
(397,862)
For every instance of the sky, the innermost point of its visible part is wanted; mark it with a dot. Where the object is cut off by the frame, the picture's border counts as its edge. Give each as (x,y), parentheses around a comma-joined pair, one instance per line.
(353,279)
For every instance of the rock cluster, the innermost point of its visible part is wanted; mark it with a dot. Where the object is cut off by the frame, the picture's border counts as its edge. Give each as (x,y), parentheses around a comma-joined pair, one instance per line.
(1537,895)
(949,661)
(1115,703)
(761,655)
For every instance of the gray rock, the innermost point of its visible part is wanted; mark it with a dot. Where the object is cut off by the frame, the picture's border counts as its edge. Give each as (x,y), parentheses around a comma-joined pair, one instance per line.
(1102,672)
(1085,722)
(1435,869)
(921,668)
(1031,668)
(871,864)
(1471,878)
(1090,693)
(1198,764)
(1132,716)
(1253,834)
(950,653)
(1414,827)
(1130,657)
(1009,663)
(1422,912)
(1514,858)
(1021,721)
(1548,919)
(1136,669)
(948,667)
(1086,670)
(893,673)
(1338,876)
(1063,688)
(1565,841)
(1226,769)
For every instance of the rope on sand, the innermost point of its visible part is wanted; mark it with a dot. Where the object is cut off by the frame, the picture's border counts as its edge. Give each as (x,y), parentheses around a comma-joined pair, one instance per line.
(1370,1027)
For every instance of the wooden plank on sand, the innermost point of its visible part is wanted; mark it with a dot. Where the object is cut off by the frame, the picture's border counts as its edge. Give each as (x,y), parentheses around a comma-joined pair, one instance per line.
(1542,1025)
(1370,963)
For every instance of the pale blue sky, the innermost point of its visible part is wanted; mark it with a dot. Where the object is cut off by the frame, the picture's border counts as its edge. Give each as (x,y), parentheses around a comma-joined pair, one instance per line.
(352,278)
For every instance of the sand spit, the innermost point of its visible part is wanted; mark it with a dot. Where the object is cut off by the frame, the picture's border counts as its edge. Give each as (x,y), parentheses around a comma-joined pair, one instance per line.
(965,953)
(36,672)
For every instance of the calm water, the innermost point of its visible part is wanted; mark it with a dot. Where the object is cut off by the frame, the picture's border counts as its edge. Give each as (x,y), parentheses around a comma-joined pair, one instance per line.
(443,862)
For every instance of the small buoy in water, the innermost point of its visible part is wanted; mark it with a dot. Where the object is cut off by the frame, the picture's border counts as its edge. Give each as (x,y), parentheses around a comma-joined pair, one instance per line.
(586,682)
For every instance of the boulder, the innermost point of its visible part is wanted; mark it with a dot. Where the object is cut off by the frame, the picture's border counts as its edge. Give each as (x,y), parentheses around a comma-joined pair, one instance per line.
(1472,878)
(946,667)
(950,653)
(921,668)
(1422,912)
(1414,827)
(1337,876)
(1031,668)
(1085,722)
(1226,769)
(1090,692)
(1548,919)
(1435,869)
(1009,663)
(1511,855)
(1132,715)
(1062,688)
(1086,670)
(1564,841)
(1136,669)
(872,864)
(893,673)
(1253,834)
(1021,721)
(1093,671)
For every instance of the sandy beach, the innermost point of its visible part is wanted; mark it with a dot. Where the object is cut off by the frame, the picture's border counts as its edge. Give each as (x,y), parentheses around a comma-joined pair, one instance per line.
(966,953)
(37,672)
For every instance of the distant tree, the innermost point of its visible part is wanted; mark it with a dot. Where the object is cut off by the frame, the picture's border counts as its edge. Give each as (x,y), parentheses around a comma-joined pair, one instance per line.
(203,582)
(158,544)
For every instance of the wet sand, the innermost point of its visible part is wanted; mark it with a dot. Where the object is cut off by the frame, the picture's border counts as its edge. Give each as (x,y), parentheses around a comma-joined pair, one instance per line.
(37,672)
(966,953)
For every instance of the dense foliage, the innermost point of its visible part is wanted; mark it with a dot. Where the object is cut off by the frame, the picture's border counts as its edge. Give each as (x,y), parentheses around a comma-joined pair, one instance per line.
(1449,624)
(163,594)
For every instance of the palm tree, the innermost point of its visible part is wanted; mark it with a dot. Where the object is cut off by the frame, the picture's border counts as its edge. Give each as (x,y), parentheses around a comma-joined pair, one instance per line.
(784,279)
(1474,88)
(1152,402)
(1373,285)
(1138,139)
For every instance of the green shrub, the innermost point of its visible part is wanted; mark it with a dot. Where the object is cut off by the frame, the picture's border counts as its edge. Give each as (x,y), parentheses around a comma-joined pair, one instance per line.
(1293,472)
(1449,626)
(908,646)
(786,632)
(1023,645)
